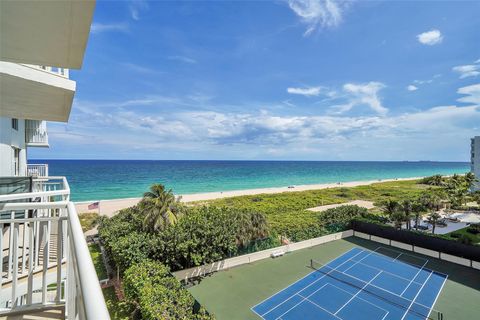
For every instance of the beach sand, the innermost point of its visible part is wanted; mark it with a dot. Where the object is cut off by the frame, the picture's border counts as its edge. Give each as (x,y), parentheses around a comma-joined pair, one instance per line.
(110,207)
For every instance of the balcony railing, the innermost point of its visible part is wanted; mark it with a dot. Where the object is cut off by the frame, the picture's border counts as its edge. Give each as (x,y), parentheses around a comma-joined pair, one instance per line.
(37,170)
(36,134)
(45,259)
(62,72)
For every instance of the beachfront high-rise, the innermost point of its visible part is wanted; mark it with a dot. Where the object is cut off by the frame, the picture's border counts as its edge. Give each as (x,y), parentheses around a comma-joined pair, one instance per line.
(475,160)
(45,264)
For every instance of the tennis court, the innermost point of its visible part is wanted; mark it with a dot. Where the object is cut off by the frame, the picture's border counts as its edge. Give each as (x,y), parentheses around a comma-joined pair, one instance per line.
(365,284)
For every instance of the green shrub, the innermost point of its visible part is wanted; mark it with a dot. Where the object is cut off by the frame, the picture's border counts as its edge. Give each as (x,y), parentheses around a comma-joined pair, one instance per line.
(158,295)
(436,180)
(88,220)
(465,238)
(474,229)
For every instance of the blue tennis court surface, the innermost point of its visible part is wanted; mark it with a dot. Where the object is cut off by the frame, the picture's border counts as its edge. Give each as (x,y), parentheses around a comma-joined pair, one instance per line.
(361,284)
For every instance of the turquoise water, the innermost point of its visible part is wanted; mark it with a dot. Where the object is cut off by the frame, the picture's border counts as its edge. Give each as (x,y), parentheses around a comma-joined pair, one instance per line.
(114,179)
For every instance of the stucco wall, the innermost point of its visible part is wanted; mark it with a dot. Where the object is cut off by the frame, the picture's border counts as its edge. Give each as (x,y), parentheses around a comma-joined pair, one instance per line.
(10,137)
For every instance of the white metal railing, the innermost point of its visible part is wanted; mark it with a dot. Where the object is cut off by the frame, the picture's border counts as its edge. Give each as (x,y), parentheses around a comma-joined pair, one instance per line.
(36,133)
(62,72)
(37,170)
(45,258)
(45,189)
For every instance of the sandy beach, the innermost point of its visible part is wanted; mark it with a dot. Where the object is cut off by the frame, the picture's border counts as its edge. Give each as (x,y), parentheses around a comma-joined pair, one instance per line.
(110,207)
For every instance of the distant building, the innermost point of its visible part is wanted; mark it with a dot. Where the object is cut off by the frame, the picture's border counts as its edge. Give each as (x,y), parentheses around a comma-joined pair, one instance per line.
(475,160)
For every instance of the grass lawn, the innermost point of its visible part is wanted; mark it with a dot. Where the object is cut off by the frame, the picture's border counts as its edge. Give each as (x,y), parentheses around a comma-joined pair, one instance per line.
(115,308)
(230,294)
(96,255)
(286,212)
(88,220)
(475,237)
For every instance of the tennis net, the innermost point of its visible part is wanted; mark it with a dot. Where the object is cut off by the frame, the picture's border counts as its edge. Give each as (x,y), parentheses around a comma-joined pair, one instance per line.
(410,306)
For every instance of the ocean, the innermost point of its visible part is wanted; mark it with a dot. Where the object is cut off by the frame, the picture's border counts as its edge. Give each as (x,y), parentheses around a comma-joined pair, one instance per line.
(116,179)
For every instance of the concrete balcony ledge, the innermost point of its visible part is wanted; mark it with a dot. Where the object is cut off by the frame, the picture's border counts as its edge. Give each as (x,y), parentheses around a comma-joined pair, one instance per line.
(29,92)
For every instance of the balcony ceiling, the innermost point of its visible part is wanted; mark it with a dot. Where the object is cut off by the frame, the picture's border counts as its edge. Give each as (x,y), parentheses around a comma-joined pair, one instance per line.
(49,33)
(29,93)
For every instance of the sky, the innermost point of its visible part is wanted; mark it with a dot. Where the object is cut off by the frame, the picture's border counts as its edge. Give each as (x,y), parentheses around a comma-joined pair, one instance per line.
(275,80)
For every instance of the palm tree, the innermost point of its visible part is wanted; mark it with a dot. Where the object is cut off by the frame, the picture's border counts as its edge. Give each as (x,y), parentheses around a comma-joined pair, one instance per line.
(251,226)
(476,197)
(469,179)
(161,208)
(398,217)
(390,207)
(431,199)
(417,210)
(406,206)
(433,219)
(259,225)
(393,210)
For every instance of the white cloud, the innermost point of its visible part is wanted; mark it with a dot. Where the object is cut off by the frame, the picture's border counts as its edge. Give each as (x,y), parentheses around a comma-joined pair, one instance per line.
(135,7)
(472,94)
(318,14)
(412,88)
(308,91)
(186,133)
(203,128)
(469,70)
(101,27)
(139,68)
(431,37)
(182,59)
(363,94)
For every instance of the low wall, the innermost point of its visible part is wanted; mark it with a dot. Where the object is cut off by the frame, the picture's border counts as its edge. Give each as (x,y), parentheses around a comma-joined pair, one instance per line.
(260,255)
(428,252)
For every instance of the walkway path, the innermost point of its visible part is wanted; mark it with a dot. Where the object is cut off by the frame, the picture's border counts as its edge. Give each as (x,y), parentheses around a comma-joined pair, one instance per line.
(360,203)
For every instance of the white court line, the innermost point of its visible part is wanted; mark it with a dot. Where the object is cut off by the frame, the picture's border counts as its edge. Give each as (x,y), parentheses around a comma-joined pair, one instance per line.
(303,278)
(361,250)
(408,263)
(397,257)
(303,300)
(383,289)
(371,252)
(393,274)
(438,294)
(419,270)
(373,304)
(356,294)
(298,292)
(416,296)
(306,299)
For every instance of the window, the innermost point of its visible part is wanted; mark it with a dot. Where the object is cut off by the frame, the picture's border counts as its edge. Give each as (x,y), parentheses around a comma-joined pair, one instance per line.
(16,161)
(15,123)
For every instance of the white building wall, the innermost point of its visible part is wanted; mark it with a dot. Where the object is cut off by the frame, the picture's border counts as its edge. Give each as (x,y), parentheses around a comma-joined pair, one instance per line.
(10,138)
(475,159)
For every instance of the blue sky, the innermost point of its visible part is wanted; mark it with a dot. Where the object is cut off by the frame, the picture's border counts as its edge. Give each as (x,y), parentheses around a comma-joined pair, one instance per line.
(296,80)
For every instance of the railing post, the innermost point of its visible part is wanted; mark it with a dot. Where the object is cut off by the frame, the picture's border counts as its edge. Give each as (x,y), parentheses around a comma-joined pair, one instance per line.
(10,241)
(46,257)
(59,260)
(1,252)
(70,303)
(31,258)
(15,264)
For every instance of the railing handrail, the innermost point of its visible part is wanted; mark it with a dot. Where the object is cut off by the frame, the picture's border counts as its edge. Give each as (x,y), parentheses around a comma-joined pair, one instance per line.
(34,194)
(93,300)
(86,300)
(37,169)
(61,72)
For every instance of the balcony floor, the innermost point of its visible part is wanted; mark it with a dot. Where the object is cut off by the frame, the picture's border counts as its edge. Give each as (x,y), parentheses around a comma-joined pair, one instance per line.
(52,313)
